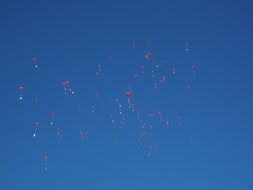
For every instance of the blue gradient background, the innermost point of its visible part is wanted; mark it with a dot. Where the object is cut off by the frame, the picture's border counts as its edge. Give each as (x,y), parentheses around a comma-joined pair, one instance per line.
(70,38)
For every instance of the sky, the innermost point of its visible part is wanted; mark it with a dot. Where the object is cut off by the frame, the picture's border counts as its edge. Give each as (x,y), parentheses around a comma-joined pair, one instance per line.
(144,95)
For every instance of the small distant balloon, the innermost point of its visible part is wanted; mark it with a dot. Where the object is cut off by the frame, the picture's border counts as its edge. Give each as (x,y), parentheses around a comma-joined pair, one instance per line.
(110,58)
(83,134)
(186,46)
(45,158)
(36,100)
(52,114)
(66,87)
(58,132)
(99,69)
(189,88)
(149,43)
(37,125)
(34,61)
(173,70)
(194,70)
(21,90)
(179,120)
(148,56)
(133,45)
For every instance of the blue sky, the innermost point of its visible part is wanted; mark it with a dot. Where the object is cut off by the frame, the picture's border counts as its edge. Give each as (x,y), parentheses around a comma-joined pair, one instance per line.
(209,148)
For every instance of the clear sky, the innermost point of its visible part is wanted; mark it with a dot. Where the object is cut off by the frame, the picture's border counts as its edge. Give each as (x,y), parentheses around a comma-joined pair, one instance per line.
(197,78)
